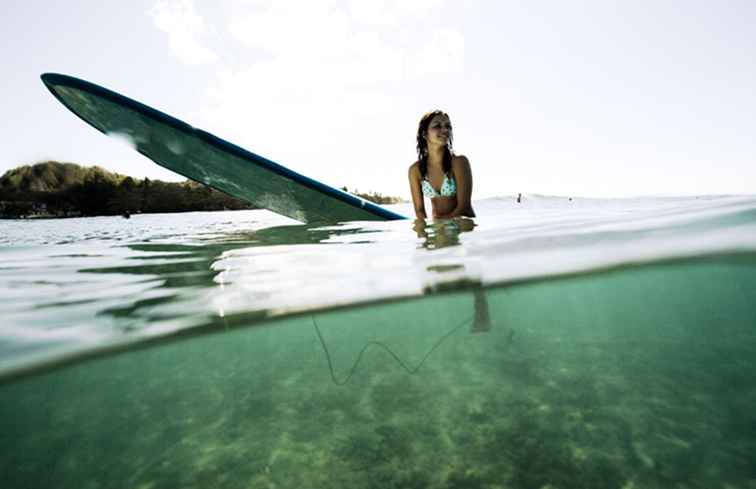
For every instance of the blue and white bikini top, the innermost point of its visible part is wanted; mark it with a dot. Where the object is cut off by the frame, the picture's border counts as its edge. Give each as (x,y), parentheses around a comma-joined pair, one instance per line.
(448,188)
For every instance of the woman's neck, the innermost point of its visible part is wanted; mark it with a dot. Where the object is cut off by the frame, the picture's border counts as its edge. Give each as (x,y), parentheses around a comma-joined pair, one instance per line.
(436,156)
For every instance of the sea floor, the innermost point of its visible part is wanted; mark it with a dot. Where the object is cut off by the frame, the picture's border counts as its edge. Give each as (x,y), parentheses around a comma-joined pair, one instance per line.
(642,377)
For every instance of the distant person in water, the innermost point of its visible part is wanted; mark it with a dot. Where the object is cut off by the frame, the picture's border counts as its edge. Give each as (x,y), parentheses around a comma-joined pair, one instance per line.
(438,173)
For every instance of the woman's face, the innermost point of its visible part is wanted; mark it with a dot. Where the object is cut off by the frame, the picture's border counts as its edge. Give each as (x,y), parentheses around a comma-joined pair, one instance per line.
(439,130)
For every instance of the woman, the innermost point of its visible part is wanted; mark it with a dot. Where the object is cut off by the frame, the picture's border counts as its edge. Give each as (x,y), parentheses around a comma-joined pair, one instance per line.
(438,173)
(447,180)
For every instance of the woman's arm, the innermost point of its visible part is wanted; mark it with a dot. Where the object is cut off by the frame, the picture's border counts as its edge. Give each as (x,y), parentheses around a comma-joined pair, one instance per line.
(417,192)
(463,176)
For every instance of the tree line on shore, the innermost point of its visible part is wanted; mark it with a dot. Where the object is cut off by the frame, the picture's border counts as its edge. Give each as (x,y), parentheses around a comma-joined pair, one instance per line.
(54,189)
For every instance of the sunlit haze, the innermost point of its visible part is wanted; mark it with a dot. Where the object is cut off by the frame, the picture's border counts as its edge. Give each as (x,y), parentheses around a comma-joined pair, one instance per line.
(582,98)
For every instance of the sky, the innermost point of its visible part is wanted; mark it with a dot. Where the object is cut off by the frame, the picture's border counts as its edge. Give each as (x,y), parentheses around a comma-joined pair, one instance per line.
(576,98)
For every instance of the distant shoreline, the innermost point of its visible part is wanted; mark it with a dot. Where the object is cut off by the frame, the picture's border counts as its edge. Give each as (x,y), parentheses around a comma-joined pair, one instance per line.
(55,190)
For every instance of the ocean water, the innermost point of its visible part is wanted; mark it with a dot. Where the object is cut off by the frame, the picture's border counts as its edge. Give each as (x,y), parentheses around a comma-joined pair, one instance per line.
(556,343)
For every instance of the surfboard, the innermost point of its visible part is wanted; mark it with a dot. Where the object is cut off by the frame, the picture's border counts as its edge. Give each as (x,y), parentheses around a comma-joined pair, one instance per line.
(208,159)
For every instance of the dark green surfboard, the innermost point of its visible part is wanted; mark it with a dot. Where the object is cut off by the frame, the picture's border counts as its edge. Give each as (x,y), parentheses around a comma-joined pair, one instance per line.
(207,159)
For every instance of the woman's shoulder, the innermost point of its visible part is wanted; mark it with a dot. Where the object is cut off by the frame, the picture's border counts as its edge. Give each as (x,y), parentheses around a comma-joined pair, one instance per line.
(460,161)
(414,168)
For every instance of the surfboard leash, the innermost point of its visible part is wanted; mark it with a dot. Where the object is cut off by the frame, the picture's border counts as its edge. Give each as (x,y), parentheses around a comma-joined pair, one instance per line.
(396,357)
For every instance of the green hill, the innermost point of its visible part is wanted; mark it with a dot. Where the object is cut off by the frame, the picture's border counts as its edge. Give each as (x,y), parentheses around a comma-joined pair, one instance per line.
(51,176)
(54,189)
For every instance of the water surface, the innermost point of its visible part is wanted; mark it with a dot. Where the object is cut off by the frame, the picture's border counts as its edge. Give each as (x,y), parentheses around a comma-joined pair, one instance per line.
(555,343)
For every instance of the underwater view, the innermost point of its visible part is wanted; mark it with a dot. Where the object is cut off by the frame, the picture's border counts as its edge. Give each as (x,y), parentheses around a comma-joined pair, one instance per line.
(555,343)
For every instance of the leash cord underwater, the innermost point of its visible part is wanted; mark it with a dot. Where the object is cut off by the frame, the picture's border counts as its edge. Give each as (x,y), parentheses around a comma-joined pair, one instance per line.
(352,370)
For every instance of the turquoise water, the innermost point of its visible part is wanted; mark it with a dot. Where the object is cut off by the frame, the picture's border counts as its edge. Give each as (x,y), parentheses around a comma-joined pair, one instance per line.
(584,343)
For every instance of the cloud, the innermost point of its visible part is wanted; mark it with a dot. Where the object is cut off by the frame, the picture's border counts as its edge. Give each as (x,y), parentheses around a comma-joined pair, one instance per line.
(333,55)
(185,29)
(442,53)
(390,12)
(353,42)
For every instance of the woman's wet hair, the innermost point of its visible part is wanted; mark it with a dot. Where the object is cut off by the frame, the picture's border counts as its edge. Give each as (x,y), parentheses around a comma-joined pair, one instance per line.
(422,144)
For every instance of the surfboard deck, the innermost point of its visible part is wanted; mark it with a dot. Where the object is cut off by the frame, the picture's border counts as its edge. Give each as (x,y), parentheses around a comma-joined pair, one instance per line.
(208,159)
